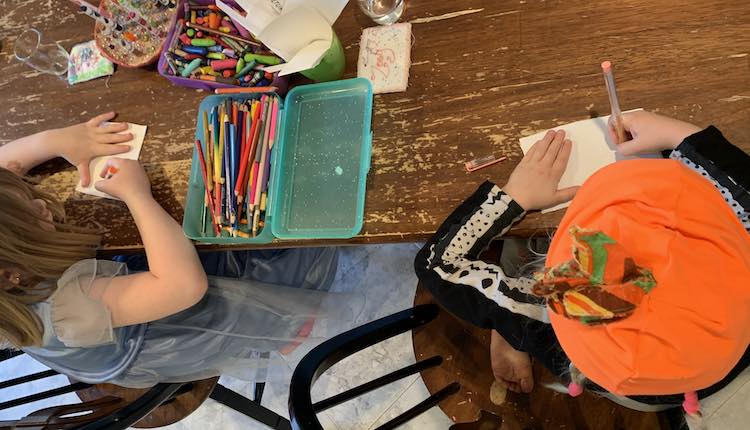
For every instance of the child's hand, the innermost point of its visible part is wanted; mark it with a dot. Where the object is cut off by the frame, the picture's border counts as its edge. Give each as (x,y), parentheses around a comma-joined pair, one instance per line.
(82,142)
(650,133)
(533,184)
(510,366)
(124,179)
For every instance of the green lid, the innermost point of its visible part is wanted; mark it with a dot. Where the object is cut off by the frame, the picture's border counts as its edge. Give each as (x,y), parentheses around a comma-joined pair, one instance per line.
(322,160)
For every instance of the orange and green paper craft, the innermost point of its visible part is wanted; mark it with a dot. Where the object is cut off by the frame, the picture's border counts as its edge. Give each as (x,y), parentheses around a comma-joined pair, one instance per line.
(600,284)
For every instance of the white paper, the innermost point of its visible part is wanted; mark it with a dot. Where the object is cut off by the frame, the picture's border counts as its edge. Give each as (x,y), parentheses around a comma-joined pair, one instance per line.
(97,164)
(293,31)
(592,150)
(307,58)
(329,9)
(262,14)
(299,31)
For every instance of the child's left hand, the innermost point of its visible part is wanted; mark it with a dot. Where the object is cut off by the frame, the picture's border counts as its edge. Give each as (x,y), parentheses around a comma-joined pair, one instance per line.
(82,142)
(533,183)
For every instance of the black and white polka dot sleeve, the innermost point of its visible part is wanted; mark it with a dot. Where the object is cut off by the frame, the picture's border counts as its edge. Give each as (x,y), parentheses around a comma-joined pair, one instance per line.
(723,164)
(449,266)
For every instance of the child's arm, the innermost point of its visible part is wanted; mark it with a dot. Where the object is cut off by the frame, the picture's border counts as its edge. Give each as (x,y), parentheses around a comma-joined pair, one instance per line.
(448,264)
(78,144)
(705,151)
(175,280)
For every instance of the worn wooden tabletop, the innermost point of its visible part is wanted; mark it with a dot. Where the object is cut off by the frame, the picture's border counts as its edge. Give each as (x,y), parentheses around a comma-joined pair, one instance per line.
(483,74)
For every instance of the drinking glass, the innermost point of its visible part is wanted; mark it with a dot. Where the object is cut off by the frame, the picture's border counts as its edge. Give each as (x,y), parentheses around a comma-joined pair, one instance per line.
(383,12)
(47,57)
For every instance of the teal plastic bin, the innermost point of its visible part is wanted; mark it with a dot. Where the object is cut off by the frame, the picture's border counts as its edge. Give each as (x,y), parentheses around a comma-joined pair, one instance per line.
(319,165)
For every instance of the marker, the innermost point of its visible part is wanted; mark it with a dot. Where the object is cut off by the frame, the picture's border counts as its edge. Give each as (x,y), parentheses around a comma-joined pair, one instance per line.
(111,170)
(482,162)
(609,80)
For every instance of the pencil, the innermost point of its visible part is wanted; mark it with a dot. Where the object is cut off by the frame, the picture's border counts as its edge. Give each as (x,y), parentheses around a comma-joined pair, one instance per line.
(232,170)
(263,155)
(207,194)
(203,215)
(227,170)
(263,204)
(245,90)
(208,151)
(219,33)
(262,170)
(256,155)
(609,80)
(246,154)
(272,133)
(274,111)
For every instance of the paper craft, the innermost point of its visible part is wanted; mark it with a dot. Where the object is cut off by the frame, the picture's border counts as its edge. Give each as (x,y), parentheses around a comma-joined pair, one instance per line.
(592,150)
(97,164)
(86,62)
(299,31)
(385,57)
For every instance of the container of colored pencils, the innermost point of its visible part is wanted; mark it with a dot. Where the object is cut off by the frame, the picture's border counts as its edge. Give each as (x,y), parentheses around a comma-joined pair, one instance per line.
(231,165)
(264,168)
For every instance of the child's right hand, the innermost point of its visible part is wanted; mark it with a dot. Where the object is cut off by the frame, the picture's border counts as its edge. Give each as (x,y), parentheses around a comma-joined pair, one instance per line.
(124,179)
(80,143)
(651,133)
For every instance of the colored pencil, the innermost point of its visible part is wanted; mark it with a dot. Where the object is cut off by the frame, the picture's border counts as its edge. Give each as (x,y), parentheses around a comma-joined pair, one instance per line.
(207,194)
(274,111)
(255,157)
(227,168)
(245,151)
(245,90)
(219,33)
(207,152)
(244,166)
(232,135)
(262,169)
(263,155)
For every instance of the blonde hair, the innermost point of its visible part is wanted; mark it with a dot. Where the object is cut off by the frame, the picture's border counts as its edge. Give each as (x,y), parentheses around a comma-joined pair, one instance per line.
(38,256)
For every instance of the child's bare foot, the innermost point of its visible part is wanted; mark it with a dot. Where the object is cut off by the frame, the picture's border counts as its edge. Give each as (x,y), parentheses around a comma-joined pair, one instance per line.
(510,366)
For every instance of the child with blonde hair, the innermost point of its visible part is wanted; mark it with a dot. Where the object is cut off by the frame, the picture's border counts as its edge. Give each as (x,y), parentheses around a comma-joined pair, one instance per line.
(92,320)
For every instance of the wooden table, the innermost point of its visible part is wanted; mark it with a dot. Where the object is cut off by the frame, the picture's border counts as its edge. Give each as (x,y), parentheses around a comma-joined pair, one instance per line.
(483,74)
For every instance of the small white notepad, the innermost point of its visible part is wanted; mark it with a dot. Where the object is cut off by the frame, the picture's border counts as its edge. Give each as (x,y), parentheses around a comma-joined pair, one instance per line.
(97,164)
(385,57)
(592,150)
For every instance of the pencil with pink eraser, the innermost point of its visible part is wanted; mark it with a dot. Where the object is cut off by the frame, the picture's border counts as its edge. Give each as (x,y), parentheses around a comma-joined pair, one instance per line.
(609,80)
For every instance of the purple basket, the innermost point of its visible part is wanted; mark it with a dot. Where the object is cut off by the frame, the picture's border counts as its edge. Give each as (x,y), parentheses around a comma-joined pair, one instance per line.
(280,83)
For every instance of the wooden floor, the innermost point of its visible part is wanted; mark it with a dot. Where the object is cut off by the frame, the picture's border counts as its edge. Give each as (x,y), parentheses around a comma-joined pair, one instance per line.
(466,359)
(465,350)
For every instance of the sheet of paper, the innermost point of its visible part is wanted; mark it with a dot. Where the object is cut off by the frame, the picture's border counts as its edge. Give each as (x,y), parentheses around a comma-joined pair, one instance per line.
(97,164)
(263,12)
(329,9)
(306,58)
(299,31)
(292,31)
(592,150)
(385,57)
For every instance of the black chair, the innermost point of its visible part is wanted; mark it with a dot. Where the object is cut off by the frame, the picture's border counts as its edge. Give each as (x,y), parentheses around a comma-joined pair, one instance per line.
(113,413)
(302,410)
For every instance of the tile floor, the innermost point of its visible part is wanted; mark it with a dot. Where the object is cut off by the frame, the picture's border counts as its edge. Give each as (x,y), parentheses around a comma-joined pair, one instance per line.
(385,275)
